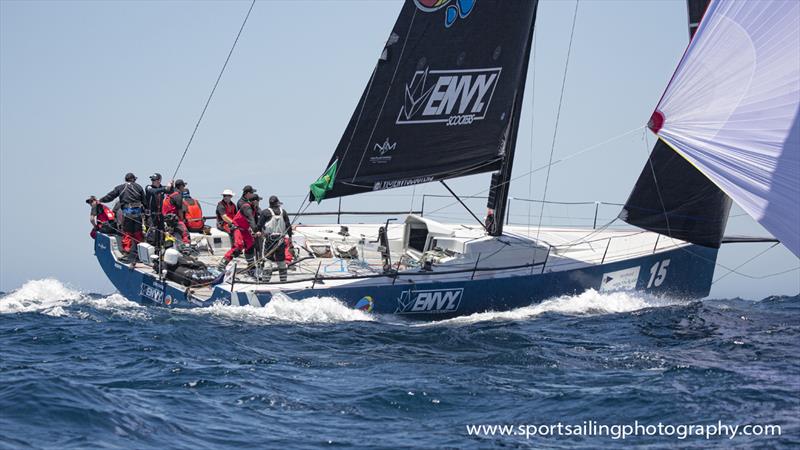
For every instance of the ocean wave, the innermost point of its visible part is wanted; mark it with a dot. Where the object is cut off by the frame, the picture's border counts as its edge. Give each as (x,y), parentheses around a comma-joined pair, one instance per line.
(53,298)
(282,309)
(47,296)
(587,303)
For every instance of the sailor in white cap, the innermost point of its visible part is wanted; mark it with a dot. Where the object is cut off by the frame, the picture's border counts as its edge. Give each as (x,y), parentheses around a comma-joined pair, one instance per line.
(226,209)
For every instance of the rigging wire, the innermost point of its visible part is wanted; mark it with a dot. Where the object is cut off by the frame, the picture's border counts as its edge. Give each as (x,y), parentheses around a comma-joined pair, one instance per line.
(558,115)
(742,264)
(216,83)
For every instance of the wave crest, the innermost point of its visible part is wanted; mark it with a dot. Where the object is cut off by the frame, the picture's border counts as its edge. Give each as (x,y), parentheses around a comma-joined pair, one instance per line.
(282,309)
(587,303)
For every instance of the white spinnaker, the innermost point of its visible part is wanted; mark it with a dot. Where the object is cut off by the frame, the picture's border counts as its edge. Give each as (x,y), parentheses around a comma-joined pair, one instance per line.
(732,109)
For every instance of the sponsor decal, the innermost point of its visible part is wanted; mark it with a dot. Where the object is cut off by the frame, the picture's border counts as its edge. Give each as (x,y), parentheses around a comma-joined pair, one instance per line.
(117,266)
(451,97)
(429,301)
(103,246)
(168,300)
(453,9)
(365,304)
(382,150)
(389,184)
(620,280)
(151,293)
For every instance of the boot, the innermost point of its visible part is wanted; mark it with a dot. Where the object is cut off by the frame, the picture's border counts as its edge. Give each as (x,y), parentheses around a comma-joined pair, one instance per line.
(252,268)
(223,263)
(282,272)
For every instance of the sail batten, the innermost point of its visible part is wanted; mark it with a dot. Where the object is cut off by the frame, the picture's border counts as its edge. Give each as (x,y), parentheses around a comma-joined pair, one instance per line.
(440,99)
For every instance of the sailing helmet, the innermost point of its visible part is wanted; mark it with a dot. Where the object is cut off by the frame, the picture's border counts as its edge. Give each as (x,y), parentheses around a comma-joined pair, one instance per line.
(171,256)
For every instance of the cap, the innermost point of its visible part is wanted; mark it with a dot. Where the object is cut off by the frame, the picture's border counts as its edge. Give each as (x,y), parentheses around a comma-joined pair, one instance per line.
(248,188)
(227,192)
(273,201)
(91,199)
(180,183)
(130,177)
(155,176)
(256,197)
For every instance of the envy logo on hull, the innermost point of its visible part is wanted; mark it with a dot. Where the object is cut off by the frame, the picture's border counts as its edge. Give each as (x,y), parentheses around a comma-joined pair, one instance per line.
(429,301)
(151,293)
(452,97)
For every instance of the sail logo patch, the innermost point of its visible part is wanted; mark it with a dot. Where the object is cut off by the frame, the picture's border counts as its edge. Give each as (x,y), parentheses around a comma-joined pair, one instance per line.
(429,301)
(452,97)
(382,151)
(620,280)
(391,184)
(461,8)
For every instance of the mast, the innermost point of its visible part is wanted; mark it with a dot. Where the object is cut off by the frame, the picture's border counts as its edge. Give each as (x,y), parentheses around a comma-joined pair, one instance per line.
(500,185)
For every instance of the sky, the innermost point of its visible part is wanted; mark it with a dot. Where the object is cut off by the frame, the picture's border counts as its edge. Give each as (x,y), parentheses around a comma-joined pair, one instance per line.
(90,90)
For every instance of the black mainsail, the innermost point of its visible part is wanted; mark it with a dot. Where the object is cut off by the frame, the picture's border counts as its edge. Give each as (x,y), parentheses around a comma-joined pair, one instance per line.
(442,98)
(672,197)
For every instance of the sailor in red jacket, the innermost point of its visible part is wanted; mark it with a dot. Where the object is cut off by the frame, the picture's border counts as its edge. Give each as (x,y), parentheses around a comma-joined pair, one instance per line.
(226,209)
(173,204)
(244,222)
(102,218)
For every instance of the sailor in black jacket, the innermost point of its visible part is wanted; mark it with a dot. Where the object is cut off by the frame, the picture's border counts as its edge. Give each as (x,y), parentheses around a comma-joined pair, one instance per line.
(131,200)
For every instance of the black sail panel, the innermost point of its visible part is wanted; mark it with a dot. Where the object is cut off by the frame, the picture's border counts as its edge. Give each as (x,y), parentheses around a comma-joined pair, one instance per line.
(440,98)
(696,9)
(673,198)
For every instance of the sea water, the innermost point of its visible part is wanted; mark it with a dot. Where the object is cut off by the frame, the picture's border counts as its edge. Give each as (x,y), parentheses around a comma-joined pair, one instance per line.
(81,370)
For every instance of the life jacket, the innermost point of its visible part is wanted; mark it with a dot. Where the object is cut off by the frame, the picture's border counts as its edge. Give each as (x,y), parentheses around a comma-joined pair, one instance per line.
(230,210)
(106,216)
(276,224)
(194,215)
(287,251)
(168,207)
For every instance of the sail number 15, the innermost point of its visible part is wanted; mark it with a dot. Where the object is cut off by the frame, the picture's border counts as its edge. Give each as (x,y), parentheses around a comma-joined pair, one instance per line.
(658,273)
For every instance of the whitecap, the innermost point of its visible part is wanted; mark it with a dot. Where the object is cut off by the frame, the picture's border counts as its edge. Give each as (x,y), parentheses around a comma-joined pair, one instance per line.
(46,296)
(587,303)
(282,309)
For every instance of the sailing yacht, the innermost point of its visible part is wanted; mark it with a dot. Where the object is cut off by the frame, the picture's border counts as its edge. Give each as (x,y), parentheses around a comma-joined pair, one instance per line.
(444,101)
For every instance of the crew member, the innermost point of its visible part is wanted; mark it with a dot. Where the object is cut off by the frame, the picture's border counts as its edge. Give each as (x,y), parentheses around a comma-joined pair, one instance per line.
(153,201)
(102,218)
(247,193)
(226,209)
(131,200)
(173,204)
(193,213)
(244,223)
(274,223)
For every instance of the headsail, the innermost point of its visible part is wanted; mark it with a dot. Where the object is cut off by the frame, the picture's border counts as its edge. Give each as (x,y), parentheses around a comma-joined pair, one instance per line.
(732,109)
(673,198)
(440,99)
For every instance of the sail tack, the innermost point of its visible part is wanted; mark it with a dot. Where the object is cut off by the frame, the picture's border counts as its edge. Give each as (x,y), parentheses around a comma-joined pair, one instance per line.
(732,109)
(440,100)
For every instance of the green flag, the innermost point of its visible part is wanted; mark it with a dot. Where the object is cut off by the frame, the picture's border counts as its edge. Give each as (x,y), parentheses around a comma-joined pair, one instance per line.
(324,184)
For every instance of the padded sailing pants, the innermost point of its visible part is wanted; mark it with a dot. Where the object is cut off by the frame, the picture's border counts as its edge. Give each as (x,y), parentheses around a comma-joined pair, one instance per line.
(242,241)
(131,232)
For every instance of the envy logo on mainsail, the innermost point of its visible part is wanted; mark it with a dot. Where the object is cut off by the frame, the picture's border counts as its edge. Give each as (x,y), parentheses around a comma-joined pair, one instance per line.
(453,97)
